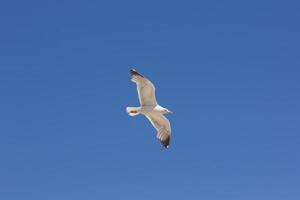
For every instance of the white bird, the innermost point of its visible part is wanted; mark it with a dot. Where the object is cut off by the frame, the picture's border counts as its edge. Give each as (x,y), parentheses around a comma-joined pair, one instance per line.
(150,108)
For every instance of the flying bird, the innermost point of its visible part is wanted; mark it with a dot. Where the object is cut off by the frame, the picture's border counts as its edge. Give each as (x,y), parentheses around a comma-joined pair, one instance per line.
(150,108)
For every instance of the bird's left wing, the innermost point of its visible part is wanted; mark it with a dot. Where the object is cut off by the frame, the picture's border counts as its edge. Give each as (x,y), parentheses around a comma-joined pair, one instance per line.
(145,88)
(163,127)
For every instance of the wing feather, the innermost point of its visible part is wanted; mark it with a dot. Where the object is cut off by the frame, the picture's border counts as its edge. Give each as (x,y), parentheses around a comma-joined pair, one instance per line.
(145,88)
(163,127)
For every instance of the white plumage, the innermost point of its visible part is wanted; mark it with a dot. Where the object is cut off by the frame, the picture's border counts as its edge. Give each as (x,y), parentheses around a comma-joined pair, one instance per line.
(150,108)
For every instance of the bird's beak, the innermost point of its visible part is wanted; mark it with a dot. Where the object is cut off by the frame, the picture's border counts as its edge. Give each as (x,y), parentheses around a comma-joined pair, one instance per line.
(170,112)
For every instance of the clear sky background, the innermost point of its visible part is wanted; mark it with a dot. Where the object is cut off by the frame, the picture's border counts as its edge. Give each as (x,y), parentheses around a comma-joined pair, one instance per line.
(229,70)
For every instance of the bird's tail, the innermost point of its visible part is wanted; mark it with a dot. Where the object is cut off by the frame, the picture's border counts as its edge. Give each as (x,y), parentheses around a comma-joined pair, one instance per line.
(133,111)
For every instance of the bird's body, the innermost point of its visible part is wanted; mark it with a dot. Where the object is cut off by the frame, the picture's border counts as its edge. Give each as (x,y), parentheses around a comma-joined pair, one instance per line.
(146,110)
(150,108)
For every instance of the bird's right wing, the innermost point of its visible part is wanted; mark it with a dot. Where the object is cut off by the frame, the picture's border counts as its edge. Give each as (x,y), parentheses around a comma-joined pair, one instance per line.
(163,127)
(145,88)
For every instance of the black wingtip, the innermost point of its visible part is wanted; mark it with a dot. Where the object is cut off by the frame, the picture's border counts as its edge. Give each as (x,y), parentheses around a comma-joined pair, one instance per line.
(166,142)
(134,72)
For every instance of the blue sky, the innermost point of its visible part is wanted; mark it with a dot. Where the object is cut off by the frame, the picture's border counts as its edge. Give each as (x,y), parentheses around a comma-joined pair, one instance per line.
(229,70)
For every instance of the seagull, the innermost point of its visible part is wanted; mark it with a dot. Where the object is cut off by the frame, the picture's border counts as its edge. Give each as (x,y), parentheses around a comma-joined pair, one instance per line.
(150,108)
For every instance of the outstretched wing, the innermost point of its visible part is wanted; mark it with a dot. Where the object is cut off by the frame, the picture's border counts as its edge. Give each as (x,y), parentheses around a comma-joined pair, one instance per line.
(145,88)
(163,127)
